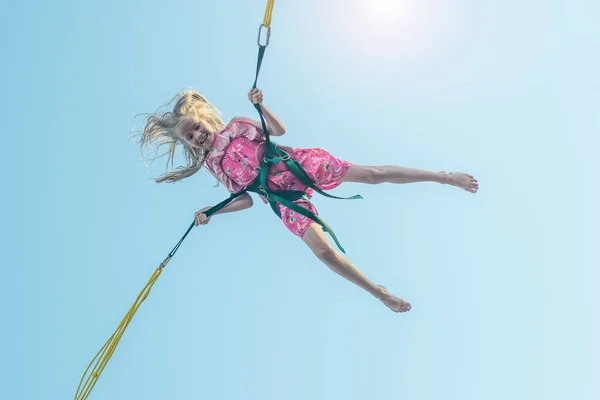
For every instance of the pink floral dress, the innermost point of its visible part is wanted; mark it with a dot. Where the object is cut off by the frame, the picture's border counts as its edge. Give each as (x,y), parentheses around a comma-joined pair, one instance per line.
(236,157)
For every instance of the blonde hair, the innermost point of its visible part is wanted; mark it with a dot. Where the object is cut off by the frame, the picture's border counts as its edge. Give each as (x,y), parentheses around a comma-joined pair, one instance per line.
(161,130)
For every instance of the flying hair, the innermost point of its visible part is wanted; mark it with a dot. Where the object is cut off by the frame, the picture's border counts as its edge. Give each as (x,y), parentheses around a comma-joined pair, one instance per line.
(160,131)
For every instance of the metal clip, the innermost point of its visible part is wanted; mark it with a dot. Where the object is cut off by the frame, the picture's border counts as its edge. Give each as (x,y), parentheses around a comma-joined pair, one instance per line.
(264,192)
(260,32)
(165,262)
(287,156)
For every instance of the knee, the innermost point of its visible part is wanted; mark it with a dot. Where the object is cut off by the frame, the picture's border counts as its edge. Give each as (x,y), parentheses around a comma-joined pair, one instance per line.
(375,175)
(326,254)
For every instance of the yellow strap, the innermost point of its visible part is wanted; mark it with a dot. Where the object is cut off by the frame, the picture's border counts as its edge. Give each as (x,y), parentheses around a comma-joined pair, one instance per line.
(268,12)
(103,356)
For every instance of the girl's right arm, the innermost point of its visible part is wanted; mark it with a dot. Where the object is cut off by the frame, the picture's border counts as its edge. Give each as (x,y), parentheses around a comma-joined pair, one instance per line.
(242,202)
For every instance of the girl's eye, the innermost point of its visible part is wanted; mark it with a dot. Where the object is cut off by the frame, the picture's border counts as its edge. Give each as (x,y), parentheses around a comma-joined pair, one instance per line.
(190,137)
(196,127)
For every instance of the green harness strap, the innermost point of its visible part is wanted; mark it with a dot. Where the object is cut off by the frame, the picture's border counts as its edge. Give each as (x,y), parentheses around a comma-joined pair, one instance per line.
(274,155)
(287,197)
(299,172)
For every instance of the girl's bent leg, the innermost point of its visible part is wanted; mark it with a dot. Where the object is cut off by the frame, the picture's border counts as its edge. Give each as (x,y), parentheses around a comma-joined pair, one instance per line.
(318,243)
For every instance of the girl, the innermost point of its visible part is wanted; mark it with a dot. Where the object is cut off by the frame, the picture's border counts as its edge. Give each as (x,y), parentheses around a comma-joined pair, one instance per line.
(234,153)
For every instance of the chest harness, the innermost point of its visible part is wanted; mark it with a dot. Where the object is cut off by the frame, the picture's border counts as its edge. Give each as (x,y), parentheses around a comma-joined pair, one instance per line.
(275,155)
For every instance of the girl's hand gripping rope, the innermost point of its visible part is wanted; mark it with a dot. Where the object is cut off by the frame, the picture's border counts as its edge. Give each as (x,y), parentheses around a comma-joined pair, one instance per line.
(255,96)
(273,124)
(200,217)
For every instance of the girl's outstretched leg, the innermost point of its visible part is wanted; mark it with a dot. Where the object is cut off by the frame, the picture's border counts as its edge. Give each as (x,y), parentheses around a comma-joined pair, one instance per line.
(396,174)
(318,243)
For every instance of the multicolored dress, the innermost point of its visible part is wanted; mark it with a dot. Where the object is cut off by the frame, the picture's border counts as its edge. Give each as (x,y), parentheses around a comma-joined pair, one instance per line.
(236,156)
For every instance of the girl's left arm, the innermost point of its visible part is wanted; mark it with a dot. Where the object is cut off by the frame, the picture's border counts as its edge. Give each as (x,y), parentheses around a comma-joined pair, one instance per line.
(274,125)
(270,119)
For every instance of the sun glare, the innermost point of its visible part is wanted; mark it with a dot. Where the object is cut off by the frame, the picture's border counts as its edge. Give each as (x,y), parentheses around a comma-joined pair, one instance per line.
(394,28)
(385,11)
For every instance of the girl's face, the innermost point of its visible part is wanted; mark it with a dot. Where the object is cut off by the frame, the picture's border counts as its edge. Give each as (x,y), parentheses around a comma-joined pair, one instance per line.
(197,134)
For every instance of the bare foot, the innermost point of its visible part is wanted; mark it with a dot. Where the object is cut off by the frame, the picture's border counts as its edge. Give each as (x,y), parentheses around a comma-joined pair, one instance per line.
(394,303)
(461,180)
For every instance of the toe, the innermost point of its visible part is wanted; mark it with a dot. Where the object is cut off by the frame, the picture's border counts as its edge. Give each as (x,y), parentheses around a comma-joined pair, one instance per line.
(405,307)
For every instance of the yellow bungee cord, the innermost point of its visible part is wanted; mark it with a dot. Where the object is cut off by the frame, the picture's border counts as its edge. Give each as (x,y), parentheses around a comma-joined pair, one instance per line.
(103,356)
(268,13)
(98,363)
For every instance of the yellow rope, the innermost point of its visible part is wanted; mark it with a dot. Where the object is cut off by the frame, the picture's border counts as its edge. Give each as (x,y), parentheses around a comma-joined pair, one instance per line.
(268,13)
(103,356)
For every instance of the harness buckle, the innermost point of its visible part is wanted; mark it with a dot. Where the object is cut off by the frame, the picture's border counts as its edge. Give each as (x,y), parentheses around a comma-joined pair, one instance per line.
(274,160)
(264,192)
(286,157)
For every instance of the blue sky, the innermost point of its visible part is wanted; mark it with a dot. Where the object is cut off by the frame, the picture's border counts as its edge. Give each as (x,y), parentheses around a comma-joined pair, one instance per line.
(503,283)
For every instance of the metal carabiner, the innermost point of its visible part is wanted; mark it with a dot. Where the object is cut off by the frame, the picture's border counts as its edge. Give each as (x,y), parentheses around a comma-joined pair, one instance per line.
(287,155)
(265,194)
(260,33)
